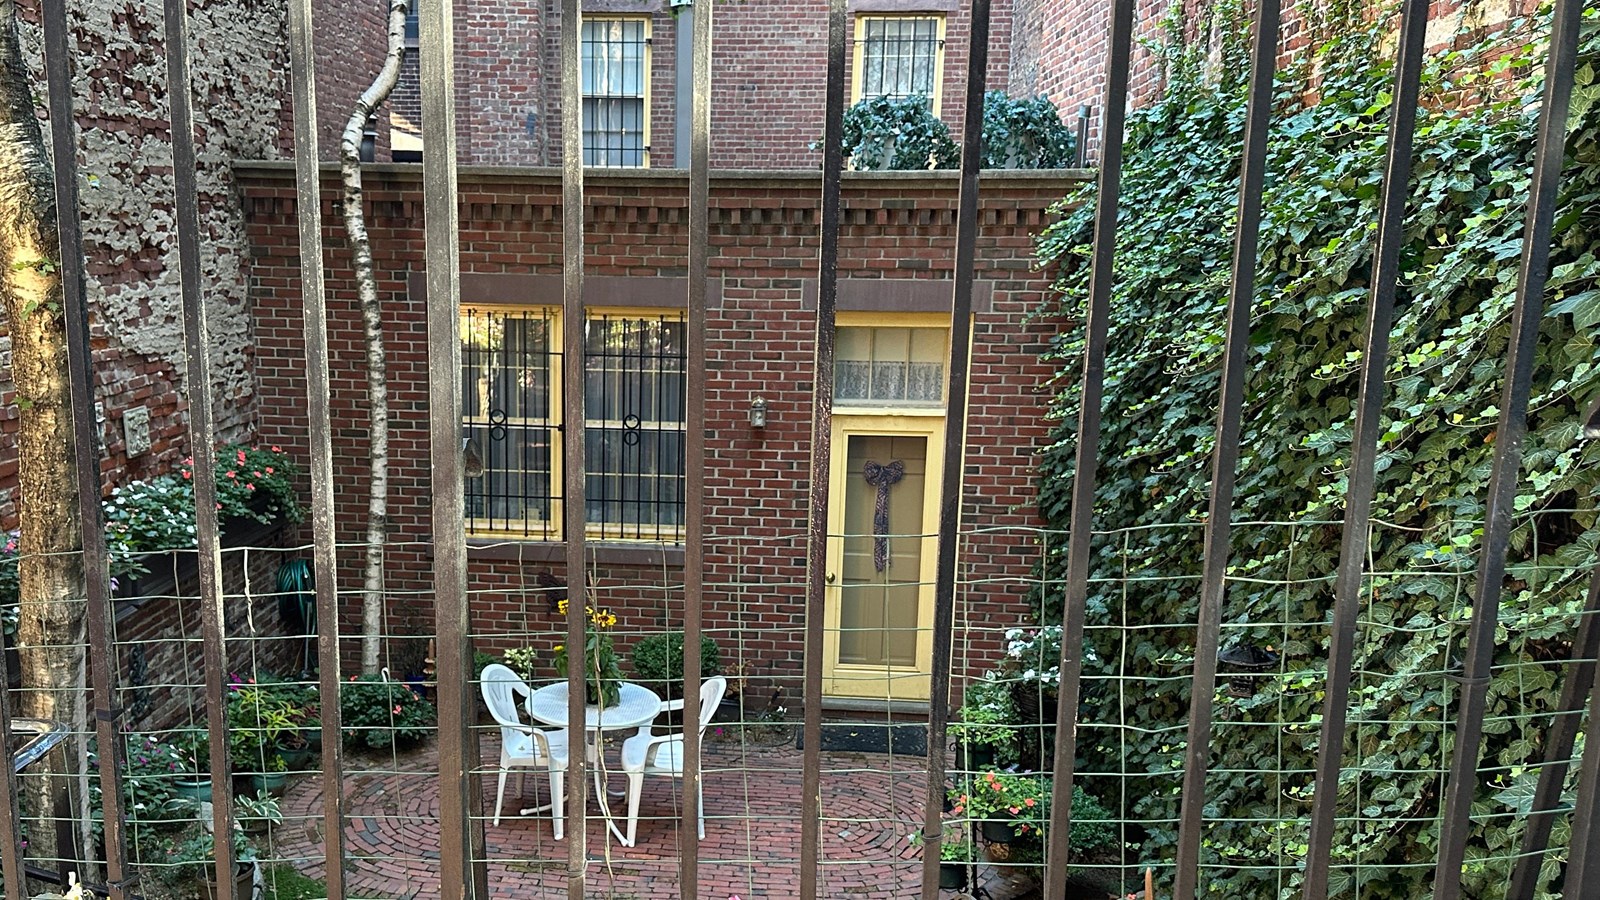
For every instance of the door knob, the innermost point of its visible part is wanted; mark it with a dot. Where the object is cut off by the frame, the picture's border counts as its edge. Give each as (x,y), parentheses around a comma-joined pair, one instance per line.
(830,578)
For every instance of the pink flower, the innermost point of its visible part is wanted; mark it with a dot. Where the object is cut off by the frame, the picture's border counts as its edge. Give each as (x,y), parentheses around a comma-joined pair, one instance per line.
(187,474)
(249,487)
(1015,810)
(397,709)
(269,470)
(1028,802)
(241,456)
(277,449)
(232,474)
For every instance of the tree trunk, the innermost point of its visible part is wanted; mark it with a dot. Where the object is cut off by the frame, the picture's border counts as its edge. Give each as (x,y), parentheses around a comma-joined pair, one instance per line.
(372,324)
(50,632)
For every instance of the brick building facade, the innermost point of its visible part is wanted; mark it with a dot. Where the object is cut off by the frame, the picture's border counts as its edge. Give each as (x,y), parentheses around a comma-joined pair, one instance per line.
(770,59)
(1059,49)
(896,251)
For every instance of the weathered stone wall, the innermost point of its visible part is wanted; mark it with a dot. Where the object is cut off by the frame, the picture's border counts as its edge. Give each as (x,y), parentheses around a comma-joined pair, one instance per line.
(239,61)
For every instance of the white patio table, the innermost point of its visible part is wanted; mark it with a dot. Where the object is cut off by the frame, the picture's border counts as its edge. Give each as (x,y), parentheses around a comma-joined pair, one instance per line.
(636,706)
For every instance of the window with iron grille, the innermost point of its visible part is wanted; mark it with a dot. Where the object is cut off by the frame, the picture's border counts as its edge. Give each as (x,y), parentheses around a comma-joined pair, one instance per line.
(633,433)
(899,57)
(616,72)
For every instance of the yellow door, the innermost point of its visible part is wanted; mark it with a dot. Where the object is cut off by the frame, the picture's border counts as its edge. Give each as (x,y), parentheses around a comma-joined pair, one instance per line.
(883,527)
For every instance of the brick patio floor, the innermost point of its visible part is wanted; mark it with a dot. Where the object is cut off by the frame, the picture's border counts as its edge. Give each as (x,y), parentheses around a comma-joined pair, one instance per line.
(751,849)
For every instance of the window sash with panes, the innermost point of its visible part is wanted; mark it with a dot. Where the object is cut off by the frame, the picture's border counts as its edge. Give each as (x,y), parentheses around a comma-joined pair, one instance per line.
(890,367)
(615,75)
(900,57)
(634,431)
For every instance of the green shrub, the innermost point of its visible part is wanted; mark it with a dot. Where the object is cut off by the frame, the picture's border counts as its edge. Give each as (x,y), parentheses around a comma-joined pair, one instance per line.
(1025,133)
(890,133)
(658,659)
(1459,267)
(381,713)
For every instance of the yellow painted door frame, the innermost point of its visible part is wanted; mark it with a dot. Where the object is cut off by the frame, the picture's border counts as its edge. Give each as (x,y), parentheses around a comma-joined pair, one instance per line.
(887,681)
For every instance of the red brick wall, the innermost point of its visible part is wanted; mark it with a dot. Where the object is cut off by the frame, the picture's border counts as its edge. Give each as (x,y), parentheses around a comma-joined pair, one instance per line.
(1059,49)
(765,237)
(769,77)
(351,40)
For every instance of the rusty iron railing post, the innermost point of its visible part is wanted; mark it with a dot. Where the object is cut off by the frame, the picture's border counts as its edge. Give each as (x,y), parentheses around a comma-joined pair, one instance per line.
(1509,434)
(1102,278)
(313,294)
(1363,463)
(821,454)
(441,249)
(1225,456)
(575,462)
(695,440)
(955,443)
(202,431)
(58,55)
(1547,805)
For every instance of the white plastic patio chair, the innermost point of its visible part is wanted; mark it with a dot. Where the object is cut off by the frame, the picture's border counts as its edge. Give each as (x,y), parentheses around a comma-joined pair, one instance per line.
(647,753)
(506,694)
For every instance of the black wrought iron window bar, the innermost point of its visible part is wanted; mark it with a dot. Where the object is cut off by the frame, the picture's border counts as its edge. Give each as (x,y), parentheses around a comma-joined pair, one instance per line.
(634,432)
(900,56)
(616,90)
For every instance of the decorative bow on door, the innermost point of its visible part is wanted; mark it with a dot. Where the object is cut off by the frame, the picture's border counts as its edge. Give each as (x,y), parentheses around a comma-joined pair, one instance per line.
(882,476)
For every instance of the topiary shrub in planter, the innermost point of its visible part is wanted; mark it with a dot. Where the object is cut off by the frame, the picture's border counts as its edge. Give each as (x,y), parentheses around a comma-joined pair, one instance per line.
(1025,133)
(889,133)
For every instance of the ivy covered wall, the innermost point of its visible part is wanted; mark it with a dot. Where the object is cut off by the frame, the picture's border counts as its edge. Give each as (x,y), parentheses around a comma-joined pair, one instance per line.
(1459,269)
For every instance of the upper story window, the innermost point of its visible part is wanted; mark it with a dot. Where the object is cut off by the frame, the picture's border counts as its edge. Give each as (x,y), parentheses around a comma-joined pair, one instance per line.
(887,366)
(899,57)
(634,428)
(616,91)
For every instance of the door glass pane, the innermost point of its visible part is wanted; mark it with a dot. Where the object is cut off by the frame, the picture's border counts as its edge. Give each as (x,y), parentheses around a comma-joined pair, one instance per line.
(879,608)
(890,366)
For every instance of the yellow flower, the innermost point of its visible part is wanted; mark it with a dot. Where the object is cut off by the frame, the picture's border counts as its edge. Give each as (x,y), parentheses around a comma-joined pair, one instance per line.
(561,606)
(560,647)
(610,620)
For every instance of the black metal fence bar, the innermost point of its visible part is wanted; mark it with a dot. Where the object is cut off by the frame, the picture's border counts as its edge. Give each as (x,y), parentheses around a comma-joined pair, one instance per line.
(821,453)
(313,294)
(1559,742)
(1363,465)
(86,458)
(694,460)
(1509,434)
(955,442)
(202,437)
(575,489)
(1225,456)
(10,814)
(1583,869)
(1102,278)
(441,250)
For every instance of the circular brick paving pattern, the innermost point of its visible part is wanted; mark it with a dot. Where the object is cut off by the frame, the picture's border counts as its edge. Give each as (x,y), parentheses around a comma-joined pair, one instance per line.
(870,804)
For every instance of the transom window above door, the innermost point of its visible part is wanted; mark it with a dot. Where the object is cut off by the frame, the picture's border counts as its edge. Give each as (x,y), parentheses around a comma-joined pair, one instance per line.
(634,407)
(899,57)
(882,366)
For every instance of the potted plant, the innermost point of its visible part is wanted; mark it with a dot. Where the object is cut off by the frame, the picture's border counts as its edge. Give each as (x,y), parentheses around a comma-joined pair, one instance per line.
(1009,805)
(896,133)
(602,673)
(256,814)
(731,709)
(193,780)
(985,730)
(956,854)
(195,859)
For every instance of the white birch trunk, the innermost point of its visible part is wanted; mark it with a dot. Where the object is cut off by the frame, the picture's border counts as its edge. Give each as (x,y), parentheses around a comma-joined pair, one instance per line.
(372,325)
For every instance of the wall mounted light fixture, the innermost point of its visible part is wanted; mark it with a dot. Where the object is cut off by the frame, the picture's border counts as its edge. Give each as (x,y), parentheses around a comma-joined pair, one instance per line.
(758,413)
